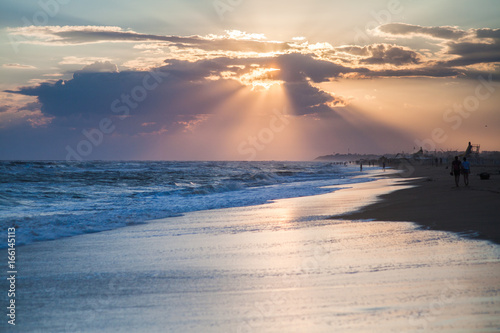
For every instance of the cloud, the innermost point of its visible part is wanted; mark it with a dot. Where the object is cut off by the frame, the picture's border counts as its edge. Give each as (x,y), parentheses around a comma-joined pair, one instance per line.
(158,98)
(484,49)
(72,60)
(74,35)
(90,94)
(469,47)
(488,33)
(446,32)
(98,91)
(383,54)
(307,99)
(473,53)
(99,67)
(394,55)
(192,92)
(86,93)
(354,50)
(319,61)
(32,107)
(18,66)
(191,122)
(192,71)
(436,71)
(296,67)
(17,110)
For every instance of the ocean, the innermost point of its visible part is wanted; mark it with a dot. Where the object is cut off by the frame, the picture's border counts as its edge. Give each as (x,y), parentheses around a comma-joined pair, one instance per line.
(46,200)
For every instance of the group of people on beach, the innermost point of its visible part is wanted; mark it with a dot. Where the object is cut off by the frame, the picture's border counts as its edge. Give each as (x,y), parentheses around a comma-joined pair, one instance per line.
(458,168)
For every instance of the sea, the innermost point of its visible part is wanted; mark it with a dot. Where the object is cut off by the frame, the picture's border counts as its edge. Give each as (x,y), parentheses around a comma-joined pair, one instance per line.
(47,200)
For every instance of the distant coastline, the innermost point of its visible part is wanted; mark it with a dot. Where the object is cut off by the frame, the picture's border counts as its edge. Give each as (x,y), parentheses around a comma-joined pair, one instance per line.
(420,157)
(347,157)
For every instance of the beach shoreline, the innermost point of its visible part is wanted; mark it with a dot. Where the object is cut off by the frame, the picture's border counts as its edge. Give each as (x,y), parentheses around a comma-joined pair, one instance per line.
(258,269)
(434,201)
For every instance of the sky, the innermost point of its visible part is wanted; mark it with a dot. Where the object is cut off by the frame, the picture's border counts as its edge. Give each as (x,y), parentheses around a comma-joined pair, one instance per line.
(246,79)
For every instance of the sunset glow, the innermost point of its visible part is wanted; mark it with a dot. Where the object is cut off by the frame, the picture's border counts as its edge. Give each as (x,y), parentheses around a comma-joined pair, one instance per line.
(382,78)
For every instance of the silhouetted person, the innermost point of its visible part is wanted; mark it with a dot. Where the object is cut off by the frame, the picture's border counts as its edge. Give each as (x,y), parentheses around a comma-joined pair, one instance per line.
(455,168)
(466,171)
(360,166)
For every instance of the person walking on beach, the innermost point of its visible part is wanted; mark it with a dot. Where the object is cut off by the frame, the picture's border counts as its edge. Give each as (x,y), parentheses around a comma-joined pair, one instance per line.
(466,171)
(455,167)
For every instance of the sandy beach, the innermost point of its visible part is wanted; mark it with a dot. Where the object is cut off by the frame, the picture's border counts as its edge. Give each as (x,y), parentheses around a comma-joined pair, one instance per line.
(435,202)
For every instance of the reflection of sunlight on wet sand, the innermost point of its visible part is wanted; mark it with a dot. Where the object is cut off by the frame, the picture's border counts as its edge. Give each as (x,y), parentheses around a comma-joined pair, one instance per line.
(309,273)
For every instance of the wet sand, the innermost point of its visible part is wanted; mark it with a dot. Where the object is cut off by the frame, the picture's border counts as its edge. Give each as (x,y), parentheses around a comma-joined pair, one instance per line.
(435,202)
